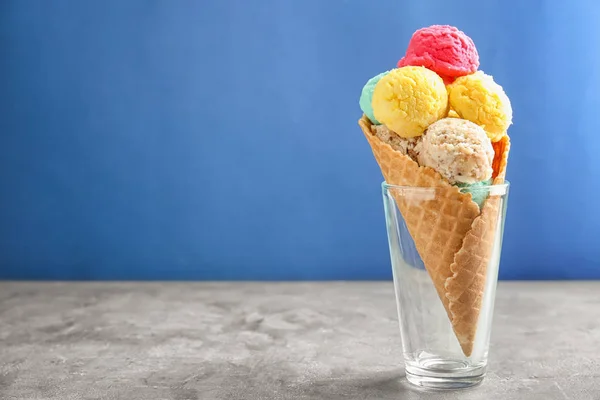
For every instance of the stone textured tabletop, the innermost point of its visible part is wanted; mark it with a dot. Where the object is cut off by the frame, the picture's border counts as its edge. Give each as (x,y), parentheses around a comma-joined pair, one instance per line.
(251,341)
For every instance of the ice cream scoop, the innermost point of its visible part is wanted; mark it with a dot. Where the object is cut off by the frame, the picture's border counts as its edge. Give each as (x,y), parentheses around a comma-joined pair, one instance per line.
(366,97)
(408,99)
(407,146)
(479,99)
(478,190)
(443,49)
(457,149)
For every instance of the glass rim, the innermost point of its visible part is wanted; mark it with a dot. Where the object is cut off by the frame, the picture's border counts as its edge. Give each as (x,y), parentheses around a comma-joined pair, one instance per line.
(495,189)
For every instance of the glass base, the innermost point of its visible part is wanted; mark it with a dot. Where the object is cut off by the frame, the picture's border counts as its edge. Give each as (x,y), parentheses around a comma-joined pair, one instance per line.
(443,373)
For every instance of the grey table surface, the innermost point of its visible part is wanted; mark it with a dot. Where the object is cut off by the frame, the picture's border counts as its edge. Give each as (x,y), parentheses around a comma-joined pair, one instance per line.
(275,341)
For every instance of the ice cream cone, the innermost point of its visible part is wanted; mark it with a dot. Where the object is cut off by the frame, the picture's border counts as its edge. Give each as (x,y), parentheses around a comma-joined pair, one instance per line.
(452,235)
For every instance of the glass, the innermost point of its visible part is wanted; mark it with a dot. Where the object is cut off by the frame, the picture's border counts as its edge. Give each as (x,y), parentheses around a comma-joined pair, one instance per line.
(445,253)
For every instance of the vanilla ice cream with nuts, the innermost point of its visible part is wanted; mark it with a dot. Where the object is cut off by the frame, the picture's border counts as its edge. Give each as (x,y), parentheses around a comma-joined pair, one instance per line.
(407,146)
(458,149)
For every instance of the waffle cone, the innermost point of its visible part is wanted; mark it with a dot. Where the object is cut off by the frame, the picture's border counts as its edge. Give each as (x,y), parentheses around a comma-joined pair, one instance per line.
(452,235)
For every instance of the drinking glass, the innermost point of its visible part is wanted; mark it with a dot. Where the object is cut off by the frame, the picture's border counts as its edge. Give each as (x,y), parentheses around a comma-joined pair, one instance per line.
(432,353)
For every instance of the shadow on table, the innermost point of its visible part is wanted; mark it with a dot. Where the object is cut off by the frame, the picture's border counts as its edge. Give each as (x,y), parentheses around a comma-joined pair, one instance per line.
(382,385)
(281,384)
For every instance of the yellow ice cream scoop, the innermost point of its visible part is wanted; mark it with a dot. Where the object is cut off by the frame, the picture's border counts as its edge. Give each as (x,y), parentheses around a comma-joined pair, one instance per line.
(409,99)
(479,99)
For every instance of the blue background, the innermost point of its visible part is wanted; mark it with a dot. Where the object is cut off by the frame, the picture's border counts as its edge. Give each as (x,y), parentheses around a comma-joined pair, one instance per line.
(217,139)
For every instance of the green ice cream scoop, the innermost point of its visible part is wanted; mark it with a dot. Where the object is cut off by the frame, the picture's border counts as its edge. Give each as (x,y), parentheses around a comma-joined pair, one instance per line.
(367,95)
(476,189)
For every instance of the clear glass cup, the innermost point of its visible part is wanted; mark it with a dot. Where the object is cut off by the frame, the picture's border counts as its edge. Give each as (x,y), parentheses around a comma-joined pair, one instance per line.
(433,356)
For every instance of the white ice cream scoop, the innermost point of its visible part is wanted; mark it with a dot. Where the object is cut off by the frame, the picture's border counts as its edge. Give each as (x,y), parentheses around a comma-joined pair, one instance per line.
(458,149)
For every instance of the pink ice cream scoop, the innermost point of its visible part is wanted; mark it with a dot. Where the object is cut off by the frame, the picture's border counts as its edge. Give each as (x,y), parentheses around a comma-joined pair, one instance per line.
(443,49)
